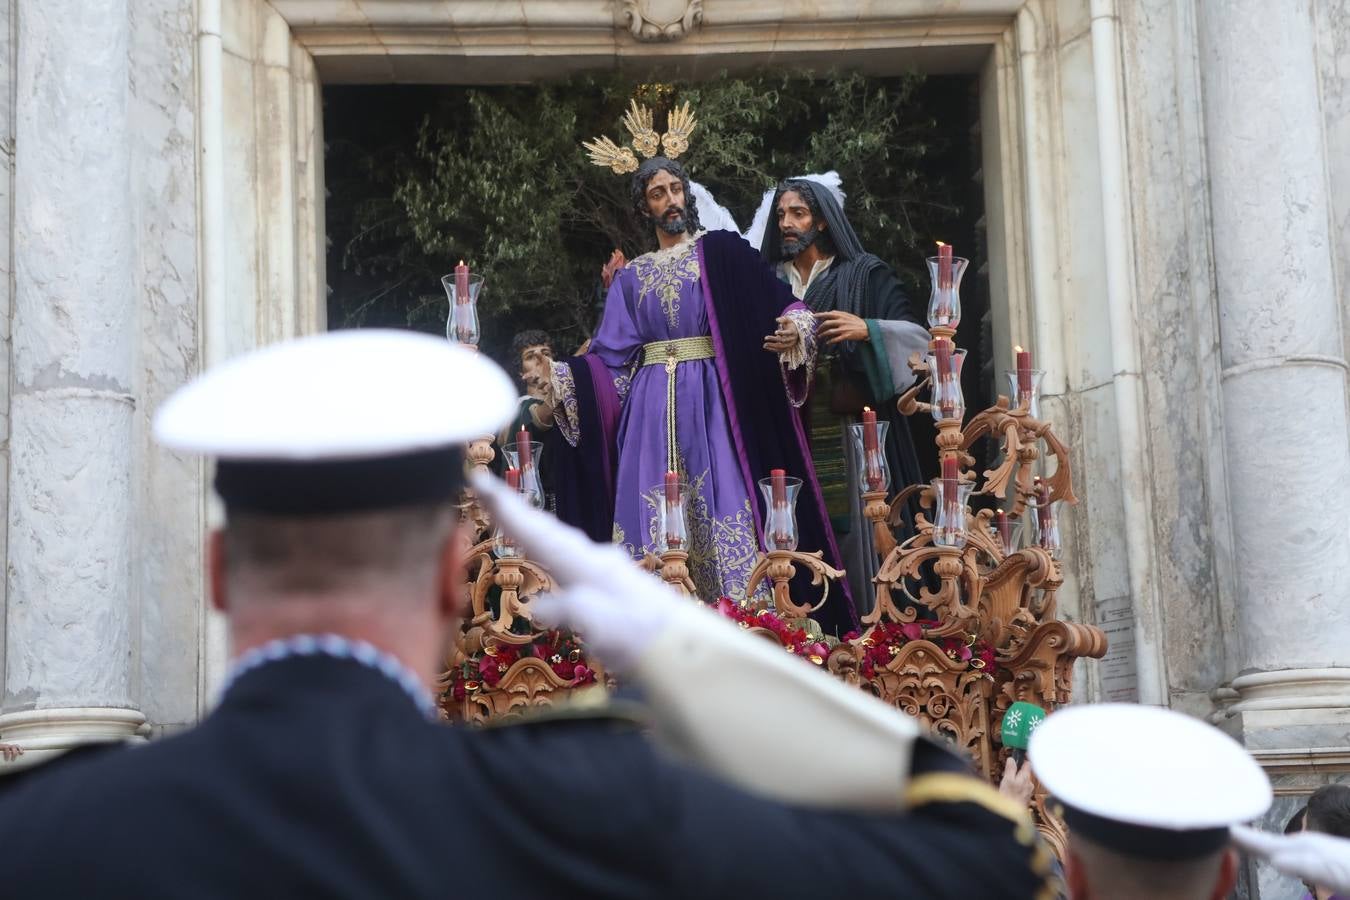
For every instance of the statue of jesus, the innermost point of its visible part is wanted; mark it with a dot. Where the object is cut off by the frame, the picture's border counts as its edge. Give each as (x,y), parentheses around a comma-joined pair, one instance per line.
(699,366)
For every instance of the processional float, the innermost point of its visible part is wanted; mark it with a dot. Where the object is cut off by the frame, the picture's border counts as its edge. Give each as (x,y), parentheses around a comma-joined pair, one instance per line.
(965,622)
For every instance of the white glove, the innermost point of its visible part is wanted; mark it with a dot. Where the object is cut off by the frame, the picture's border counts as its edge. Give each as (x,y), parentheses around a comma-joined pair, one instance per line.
(720,698)
(1320,859)
(618,608)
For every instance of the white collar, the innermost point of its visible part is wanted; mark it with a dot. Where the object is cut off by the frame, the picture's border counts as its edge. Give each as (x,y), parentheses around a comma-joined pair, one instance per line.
(336,647)
(794,278)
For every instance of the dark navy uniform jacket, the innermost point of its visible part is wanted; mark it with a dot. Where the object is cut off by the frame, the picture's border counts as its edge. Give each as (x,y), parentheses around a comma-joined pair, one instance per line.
(318,777)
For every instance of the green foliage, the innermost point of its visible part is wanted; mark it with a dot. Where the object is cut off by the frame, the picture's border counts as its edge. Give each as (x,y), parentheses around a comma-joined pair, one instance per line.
(496,176)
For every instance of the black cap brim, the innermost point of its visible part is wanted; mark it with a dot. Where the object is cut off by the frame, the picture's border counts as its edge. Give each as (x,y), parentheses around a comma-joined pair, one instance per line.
(335,487)
(1145,841)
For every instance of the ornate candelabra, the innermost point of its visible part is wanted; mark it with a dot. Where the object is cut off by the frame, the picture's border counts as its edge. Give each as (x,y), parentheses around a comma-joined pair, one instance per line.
(965,620)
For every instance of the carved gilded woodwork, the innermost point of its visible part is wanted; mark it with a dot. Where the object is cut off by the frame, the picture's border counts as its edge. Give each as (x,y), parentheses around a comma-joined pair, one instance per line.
(956,634)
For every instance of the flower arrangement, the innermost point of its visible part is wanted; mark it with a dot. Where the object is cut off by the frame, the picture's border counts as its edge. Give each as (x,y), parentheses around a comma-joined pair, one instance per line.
(879,646)
(559,649)
(795,639)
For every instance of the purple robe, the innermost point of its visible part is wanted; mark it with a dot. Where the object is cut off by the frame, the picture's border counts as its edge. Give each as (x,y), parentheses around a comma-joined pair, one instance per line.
(662,296)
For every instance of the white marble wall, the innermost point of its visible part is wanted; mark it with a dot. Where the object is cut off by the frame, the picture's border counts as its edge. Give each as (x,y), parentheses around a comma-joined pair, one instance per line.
(168,566)
(1178,322)
(6,276)
(70,607)
(262,205)
(1280,341)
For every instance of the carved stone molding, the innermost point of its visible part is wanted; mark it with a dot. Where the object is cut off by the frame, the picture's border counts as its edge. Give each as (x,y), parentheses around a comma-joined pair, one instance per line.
(662,20)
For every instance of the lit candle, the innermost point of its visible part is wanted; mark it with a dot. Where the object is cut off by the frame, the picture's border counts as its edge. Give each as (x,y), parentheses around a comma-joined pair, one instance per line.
(461,283)
(869,421)
(944,266)
(1023,373)
(942,356)
(513,479)
(1004,530)
(778,515)
(463,320)
(523,448)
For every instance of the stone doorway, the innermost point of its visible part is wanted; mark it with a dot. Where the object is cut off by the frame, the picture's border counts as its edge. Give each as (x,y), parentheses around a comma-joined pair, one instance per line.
(1045,106)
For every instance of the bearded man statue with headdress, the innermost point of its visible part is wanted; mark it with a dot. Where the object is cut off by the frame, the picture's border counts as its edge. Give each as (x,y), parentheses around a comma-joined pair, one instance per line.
(680,376)
(867,331)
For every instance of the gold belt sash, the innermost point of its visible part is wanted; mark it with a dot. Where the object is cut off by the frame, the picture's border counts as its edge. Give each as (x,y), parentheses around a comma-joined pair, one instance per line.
(670,354)
(658,353)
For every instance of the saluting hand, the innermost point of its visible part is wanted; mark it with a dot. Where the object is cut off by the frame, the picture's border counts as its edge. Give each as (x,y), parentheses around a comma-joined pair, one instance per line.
(783,339)
(836,326)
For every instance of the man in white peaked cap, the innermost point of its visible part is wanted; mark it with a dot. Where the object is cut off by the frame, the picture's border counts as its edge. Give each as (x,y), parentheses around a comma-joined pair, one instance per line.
(323,771)
(1148,796)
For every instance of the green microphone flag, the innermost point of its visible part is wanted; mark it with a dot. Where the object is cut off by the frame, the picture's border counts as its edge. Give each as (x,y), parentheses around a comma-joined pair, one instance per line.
(1019,722)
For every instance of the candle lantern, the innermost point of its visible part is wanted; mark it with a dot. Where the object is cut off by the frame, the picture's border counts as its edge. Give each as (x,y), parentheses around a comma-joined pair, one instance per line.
(944,301)
(463,289)
(951,495)
(868,441)
(1047,521)
(672,530)
(780,501)
(502,545)
(523,455)
(1024,383)
(944,362)
(1007,531)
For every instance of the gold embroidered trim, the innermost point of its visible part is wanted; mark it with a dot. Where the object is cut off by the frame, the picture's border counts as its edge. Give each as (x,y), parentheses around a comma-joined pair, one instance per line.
(949,787)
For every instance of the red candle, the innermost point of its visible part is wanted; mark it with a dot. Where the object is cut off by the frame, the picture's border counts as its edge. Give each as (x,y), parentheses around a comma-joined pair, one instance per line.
(944,266)
(942,357)
(1023,370)
(461,283)
(523,448)
(672,487)
(951,476)
(1042,505)
(513,479)
(869,422)
(778,478)
(871,451)
(1004,529)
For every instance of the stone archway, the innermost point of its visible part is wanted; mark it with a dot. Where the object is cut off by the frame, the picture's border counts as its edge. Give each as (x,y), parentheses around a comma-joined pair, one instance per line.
(1039,122)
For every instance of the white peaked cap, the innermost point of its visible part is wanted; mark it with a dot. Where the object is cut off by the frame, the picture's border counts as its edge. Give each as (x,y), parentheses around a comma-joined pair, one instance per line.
(355,394)
(1146,781)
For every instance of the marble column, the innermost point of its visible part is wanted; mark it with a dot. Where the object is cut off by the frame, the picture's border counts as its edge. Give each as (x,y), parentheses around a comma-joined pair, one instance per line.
(71,619)
(1284,370)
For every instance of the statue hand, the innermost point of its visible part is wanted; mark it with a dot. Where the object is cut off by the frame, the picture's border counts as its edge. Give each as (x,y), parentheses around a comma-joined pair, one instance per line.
(607,272)
(837,326)
(784,338)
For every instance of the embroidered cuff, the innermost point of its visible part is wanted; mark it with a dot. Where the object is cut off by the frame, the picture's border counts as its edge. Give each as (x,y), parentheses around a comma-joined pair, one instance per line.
(565,403)
(799,363)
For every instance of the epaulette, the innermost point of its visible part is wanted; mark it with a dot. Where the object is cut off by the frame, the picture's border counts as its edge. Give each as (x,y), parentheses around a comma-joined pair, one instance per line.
(12,776)
(952,787)
(593,703)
